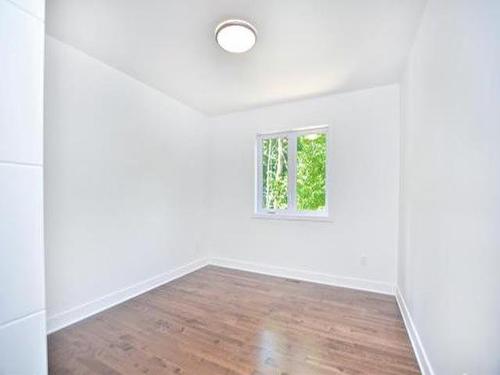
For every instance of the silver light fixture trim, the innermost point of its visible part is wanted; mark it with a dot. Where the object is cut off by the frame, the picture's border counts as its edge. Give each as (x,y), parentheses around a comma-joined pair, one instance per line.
(236,36)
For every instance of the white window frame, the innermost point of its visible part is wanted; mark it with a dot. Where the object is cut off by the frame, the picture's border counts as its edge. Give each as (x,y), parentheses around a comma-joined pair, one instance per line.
(291,212)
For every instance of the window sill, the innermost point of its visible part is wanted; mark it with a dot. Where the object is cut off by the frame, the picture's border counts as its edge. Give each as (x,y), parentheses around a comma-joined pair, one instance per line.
(292,217)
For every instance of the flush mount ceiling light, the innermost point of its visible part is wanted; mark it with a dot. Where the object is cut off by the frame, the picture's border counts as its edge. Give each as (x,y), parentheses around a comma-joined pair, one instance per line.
(235,36)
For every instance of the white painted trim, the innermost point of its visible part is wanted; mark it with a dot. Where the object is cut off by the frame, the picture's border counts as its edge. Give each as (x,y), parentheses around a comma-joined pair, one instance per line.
(304,130)
(291,210)
(292,176)
(315,277)
(278,216)
(416,342)
(75,314)
(22,318)
(19,163)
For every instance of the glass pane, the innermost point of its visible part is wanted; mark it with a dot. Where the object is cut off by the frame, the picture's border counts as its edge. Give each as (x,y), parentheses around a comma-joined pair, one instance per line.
(275,173)
(311,172)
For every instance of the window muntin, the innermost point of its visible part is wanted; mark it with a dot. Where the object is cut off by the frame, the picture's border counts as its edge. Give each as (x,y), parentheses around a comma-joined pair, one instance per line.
(292,173)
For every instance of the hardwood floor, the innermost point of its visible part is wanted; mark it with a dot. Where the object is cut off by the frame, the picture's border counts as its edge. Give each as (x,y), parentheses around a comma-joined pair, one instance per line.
(219,321)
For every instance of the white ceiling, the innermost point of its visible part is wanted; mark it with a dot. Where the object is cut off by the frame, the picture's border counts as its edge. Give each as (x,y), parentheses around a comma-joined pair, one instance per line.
(305,47)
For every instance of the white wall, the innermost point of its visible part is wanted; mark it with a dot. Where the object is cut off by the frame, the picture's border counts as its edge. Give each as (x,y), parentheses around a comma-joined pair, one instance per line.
(22,295)
(124,167)
(134,190)
(450,228)
(363,194)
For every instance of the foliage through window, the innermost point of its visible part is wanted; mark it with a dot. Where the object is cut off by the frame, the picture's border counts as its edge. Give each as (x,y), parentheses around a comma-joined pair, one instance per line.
(292,173)
(275,172)
(311,172)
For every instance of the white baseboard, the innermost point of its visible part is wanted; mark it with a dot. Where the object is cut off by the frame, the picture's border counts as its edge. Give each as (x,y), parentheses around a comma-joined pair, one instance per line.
(418,347)
(73,315)
(315,277)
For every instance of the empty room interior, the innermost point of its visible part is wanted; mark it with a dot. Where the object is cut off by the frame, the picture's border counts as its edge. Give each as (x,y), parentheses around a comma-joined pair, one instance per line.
(250,187)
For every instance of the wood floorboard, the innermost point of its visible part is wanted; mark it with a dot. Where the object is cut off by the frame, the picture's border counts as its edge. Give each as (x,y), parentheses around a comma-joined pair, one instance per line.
(219,321)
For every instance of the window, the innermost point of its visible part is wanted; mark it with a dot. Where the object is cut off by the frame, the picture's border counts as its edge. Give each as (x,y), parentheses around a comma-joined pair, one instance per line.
(291,174)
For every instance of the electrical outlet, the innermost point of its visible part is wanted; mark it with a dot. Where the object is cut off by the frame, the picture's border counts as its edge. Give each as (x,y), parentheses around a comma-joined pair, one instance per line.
(363,260)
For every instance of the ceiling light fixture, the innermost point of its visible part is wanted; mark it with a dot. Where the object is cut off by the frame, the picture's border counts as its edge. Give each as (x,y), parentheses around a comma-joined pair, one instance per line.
(235,36)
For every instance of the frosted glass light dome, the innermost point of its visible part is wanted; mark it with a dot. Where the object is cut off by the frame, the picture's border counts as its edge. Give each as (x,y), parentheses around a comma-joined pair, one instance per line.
(236,36)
